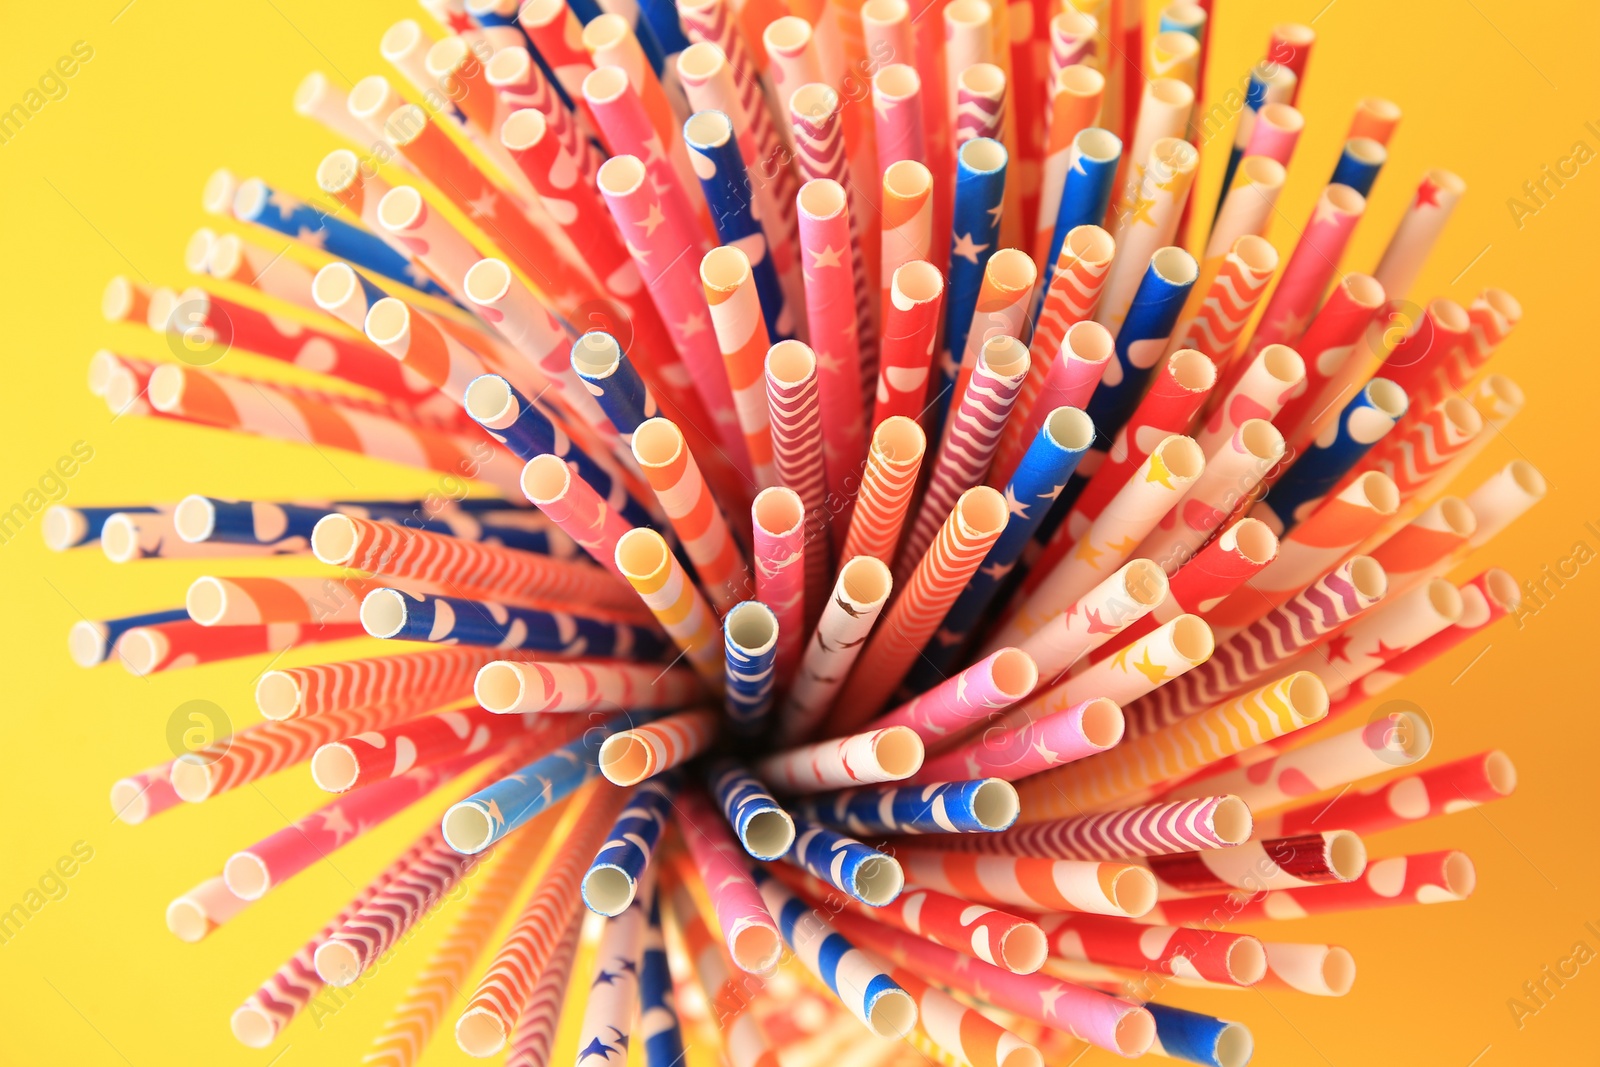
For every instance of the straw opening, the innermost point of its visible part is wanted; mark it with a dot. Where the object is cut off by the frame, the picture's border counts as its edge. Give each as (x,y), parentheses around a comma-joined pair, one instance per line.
(86,644)
(1103,722)
(1070,428)
(769,834)
(487,281)
(139,651)
(1382,495)
(699,61)
(1345,199)
(1023,949)
(985,79)
(1460,876)
(1281,116)
(788,33)
(897,438)
(879,880)
(899,752)
(1445,599)
(884,12)
(508,66)
(1099,145)
(1014,673)
(983,510)
(1308,697)
(607,890)
(1255,541)
(791,363)
(641,553)
(1235,1045)
(606,31)
(1263,171)
(917,282)
(370,96)
(821,198)
(206,601)
(893,1014)
(596,354)
(1133,890)
(1247,961)
(400,209)
(333,539)
(752,626)
(1080,80)
(467,829)
(277,695)
(1181,456)
(399,39)
(1501,773)
(1004,355)
(333,285)
(1347,856)
(1368,577)
(778,511)
(1261,439)
(1170,91)
(1231,821)
(621,175)
(246,876)
(334,767)
(995,804)
(1174,265)
(187,920)
(1503,590)
(983,154)
(605,84)
(1367,150)
(1090,244)
(546,478)
(1193,369)
(500,687)
(1144,582)
(897,81)
(487,397)
(1338,970)
(815,101)
(657,442)
(1256,253)
(1011,268)
(709,128)
(383,612)
(119,538)
(1283,363)
(865,580)
(1135,1032)
(907,179)
(757,949)
(624,759)
(725,268)
(252,1028)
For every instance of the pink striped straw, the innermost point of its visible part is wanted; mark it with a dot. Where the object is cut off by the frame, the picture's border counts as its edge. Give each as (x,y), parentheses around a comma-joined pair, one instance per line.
(796,416)
(977,694)
(573,505)
(830,314)
(1013,750)
(748,930)
(779,518)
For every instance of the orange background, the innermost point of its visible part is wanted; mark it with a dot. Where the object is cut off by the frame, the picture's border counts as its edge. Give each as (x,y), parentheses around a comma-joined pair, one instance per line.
(107,180)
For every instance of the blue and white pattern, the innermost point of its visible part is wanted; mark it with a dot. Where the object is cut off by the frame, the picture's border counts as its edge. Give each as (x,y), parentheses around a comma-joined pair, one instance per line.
(1359,164)
(606,372)
(854,976)
(750,670)
(1085,195)
(658,1013)
(942,808)
(450,620)
(974,237)
(633,839)
(842,862)
(93,643)
(744,798)
(261,204)
(1365,420)
(1195,1038)
(714,154)
(75,527)
(532,789)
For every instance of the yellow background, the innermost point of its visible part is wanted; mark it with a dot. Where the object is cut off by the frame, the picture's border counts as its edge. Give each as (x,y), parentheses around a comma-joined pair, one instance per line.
(107,180)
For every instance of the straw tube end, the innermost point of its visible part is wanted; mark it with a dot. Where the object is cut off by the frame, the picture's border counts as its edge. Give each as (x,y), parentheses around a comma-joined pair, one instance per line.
(333,539)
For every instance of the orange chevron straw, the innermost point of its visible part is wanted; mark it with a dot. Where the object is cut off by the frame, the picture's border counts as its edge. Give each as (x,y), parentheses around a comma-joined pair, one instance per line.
(1004,299)
(1074,289)
(442,675)
(469,568)
(887,485)
(1228,294)
(974,525)
(505,990)
(535,1035)
(645,560)
(797,447)
(742,335)
(1133,771)
(628,757)
(681,489)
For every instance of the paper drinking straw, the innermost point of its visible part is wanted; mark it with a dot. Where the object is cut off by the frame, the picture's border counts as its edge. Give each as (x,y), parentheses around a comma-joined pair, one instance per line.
(842,366)
(1329,534)
(1365,420)
(742,335)
(714,151)
(1425,446)
(1485,599)
(1501,499)
(647,563)
(910,328)
(406,218)
(615,380)
(232,258)
(1178,389)
(658,1016)
(765,829)
(980,103)
(265,748)
(1321,970)
(1165,106)
(887,755)
(255,871)
(69,527)
(744,1038)
(791,55)
(798,453)
(1232,289)
(858,597)
(453,66)
(748,930)
(1004,302)
(1062,439)
(996,937)
(1096,617)
(137,797)
(416,1016)
(258,409)
(857,870)
(523,83)
(1148,830)
(750,638)
(985,805)
(511,687)
(194,914)
(1412,553)
(145,650)
(377,755)
(1044,885)
(1233,471)
(1123,775)
(1153,490)
(1309,269)
(779,520)
(908,195)
(887,484)
(668,256)
(608,1015)
(613,882)
(1320,858)
(975,695)
(319,99)
(254,202)
(1107,1022)
(536,1031)
(819,153)
(971,529)
(152,535)
(1211,955)
(1498,400)
(443,675)
(1276,132)
(1021,744)
(897,111)
(1404,621)
(979,188)
(1418,231)
(1421,351)
(1330,348)
(517,577)
(503,992)
(963,1035)
(472,825)
(970,439)
(1250,196)
(1260,386)
(394,614)
(631,44)
(1420,878)
(1199,1038)
(857,978)
(681,489)
(1327,604)
(1359,164)
(574,506)
(1491,317)
(93,643)
(1439,790)
(628,757)
(1075,94)
(287,527)
(245,601)
(1148,223)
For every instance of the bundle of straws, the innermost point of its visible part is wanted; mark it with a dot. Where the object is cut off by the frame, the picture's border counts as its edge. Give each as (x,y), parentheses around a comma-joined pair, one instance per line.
(946,603)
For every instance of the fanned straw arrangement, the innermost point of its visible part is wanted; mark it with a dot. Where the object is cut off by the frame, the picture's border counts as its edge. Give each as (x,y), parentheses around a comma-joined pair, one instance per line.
(934,601)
